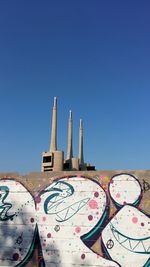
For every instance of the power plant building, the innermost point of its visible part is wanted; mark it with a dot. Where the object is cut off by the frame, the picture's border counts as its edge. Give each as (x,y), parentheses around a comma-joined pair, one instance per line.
(53,160)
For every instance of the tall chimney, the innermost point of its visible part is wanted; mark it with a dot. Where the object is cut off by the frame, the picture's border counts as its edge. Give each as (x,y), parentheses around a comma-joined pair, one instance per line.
(53,145)
(81,158)
(70,149)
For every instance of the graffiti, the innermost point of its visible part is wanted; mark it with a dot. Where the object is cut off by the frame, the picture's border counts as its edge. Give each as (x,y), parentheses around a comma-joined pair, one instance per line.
(19,239)
(53,203)
(79,210)
(16,228)
(68,216)
(146,186)
(57,228)
(57,194)
(129,228)
(4,207)
(110,244)
(134,245)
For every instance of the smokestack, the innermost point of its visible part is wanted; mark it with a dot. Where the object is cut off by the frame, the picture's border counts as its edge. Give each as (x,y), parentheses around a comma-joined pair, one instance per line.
(53,145)
(81,158)
(70,149)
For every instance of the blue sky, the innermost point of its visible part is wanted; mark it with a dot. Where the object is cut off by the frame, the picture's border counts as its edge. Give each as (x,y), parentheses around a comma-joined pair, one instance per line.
(95,57)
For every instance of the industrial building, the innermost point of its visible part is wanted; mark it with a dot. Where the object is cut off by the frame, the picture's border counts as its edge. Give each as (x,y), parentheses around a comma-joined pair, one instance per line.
(53,160)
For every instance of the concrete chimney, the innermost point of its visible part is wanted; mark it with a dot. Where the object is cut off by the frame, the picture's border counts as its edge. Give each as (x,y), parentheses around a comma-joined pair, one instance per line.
(81,158)
(70,149)
(53,145)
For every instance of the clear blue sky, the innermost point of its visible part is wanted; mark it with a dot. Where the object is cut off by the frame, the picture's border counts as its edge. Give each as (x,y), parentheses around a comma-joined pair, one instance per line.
(95,57)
